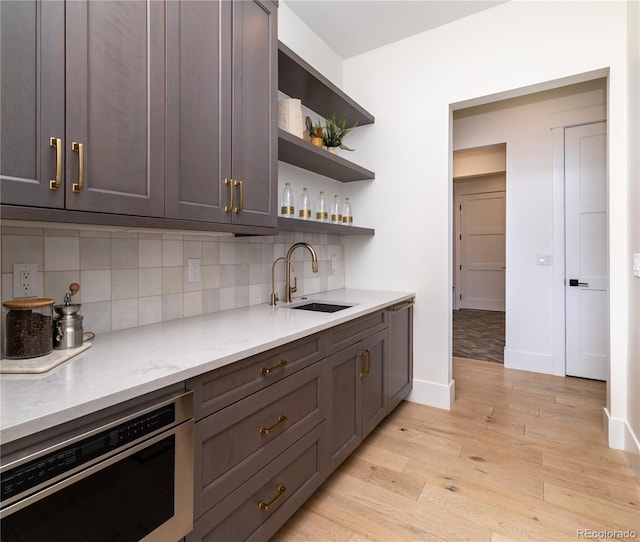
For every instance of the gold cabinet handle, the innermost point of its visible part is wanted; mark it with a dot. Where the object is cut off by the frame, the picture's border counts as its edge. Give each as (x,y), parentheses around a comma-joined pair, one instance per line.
(240,186)
(266,430)
(398,308)
(56,142)
(227,208)
(363,357)
(266,505)
(268,370)
(79,148)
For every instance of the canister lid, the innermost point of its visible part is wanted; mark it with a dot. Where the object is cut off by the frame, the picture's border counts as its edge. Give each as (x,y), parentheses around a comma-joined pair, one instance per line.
(28,303)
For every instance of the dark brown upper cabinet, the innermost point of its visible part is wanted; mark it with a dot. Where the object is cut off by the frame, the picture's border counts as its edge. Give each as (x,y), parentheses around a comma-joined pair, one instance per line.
(32,95)
(83,110)
(140,113)
(221,112)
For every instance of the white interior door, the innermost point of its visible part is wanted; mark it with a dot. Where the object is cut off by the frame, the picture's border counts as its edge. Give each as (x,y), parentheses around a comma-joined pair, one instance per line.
(586,251)
(482,251)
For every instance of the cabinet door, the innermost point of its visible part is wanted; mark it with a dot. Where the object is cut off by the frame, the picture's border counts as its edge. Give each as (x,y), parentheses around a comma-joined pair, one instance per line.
(198,110)
(372,380)
(344,420)
(115,106)
(399,354)
(254,132)
(32,96)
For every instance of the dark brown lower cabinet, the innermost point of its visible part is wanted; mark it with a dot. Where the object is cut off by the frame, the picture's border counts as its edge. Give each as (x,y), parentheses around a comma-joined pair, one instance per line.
(355,395)
(258,508)
(295,413)
(399,361)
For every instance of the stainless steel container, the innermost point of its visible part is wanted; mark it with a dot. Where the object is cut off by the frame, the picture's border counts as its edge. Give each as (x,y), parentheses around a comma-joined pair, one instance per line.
(67,327)
(67,323)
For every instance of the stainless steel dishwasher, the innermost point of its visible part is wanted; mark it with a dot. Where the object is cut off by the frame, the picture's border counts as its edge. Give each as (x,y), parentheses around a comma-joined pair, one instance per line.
(127,479)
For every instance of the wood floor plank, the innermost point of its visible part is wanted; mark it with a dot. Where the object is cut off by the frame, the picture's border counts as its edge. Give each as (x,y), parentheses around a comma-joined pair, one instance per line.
(601,513)
(520,457)
(306,525)
(410,518)
(502,514)
(379,476)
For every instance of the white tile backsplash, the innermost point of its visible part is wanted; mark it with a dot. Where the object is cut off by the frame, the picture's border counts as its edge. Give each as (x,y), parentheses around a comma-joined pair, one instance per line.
(137,278)
(124,253)
(95,285)
(95,253)
(150,253)
(61,253)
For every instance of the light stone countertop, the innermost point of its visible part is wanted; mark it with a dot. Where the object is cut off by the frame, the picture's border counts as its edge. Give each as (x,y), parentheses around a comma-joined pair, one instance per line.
(125,364)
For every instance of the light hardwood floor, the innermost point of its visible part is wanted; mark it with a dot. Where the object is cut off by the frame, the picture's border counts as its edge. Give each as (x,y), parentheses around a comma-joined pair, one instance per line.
(521,456)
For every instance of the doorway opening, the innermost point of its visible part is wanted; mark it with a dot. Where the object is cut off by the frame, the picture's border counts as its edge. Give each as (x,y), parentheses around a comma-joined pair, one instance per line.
(479,237)
(534,122)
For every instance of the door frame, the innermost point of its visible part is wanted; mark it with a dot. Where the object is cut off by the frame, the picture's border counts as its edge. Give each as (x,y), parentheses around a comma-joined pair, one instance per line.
(558,124)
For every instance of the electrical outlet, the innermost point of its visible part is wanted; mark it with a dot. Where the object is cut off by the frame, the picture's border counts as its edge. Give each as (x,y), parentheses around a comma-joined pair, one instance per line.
(25,277)
(194,270)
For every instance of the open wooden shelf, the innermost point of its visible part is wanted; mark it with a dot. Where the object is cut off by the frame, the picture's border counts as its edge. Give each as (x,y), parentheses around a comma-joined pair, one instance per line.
(299,79)
(312,226)
(298,152)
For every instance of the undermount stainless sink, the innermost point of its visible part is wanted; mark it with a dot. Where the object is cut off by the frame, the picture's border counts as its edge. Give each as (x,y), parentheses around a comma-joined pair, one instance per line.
(318,306)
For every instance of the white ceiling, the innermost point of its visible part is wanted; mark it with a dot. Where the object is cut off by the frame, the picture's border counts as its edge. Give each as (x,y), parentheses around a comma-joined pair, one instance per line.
(352,27)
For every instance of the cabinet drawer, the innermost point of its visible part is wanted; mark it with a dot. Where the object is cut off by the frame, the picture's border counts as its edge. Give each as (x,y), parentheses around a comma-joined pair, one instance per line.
(352,332)
(281,486)
(225,386)
(236,442)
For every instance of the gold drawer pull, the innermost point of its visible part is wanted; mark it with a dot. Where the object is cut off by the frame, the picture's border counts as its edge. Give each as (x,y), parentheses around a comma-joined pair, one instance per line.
(240,207)
(398,308)
(268,370)
(79,148)
(266,430)
(365,355)
(56,142)
(227,208)
(266,505)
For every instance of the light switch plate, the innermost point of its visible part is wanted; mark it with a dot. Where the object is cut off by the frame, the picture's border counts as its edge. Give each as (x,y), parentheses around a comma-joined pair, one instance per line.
(544,259)
(636,264)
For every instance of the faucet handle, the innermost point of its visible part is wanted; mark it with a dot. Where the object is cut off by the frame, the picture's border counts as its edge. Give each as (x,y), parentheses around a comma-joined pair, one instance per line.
(294,288)
(274,299)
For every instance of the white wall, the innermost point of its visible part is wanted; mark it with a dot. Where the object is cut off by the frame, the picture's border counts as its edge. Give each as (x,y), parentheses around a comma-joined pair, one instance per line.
(632,428)
(410,87)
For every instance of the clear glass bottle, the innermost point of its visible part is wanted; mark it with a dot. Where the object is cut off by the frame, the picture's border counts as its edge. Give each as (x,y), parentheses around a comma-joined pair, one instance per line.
(287,207)
(336,213)
(305,205)
(347,212)
(322,213)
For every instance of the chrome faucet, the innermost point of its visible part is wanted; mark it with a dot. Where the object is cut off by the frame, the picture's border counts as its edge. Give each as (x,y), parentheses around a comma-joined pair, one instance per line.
(288,289)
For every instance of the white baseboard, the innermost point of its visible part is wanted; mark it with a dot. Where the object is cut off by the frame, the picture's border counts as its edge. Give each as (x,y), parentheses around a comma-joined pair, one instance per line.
(528,361)
(433,394)
(621,437)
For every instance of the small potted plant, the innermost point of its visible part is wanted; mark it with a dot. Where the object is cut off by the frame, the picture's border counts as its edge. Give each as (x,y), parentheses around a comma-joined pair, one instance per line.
(334,133)
(316,135)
